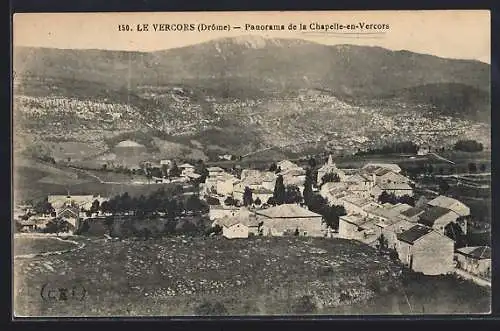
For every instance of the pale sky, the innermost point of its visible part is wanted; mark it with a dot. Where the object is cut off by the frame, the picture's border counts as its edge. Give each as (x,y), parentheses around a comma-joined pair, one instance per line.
(461,34)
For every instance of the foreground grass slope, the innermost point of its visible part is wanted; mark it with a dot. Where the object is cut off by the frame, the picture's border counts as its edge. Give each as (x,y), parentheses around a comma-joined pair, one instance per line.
(186,276)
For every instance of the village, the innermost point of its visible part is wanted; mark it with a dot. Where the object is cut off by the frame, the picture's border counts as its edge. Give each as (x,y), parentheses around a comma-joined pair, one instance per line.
(375,205)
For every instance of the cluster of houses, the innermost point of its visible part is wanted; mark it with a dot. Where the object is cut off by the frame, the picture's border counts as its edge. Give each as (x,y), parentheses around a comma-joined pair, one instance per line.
(68,208)
(415,233)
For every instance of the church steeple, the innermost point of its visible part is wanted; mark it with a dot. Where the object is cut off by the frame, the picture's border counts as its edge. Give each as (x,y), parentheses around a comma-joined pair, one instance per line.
(330,159)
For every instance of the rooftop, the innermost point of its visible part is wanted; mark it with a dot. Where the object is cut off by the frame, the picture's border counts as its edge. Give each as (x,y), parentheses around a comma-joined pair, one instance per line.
(477,252)
(354,219)
(433,213)
(445,202)
(414,233)
(287,211)
(214,169)
(394,186)
(411,212)
(186,165)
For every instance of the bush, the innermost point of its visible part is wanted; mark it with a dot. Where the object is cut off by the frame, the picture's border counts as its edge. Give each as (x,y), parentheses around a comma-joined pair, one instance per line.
(210,309)
(468,146)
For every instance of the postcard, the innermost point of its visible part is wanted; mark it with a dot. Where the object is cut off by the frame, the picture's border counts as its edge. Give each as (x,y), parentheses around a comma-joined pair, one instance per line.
(317,163)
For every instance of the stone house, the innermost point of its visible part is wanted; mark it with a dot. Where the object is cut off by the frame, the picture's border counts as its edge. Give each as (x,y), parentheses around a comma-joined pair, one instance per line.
(425,250)
(451,204)
(475,260)
(358,227)
(412,214)
(290,218)
(438,218)
(397,189)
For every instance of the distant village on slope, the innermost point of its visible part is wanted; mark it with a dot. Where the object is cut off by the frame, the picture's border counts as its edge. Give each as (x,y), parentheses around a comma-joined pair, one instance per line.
(377,204)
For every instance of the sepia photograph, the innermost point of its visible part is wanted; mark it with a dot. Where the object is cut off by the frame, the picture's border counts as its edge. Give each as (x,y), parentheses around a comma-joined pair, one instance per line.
(321,163)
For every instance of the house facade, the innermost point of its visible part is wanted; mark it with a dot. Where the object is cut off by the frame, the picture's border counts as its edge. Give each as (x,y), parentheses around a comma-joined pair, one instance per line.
(289,219)
(237,230)
(475,260)
(427,251)
(358,227)
(397,189)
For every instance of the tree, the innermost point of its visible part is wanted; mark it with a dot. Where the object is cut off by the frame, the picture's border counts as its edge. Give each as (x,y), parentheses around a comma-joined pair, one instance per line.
(164,170)
(229,201)
(385,197)
(312,162)
(317,204)
(468,146)
(271,201)
(174,171)
(454,231)
(57,225)
(95,207)
(273,167)
(407,199)
(279,191)
(332,215)
(292,194)
(430,169)
(44,207)
(105,207)
(444,187)
(212,201)
(308,191)
(247,197)
(257,202)
(296,233)
(472,167)
(382,244)
(330,177)
(194,204)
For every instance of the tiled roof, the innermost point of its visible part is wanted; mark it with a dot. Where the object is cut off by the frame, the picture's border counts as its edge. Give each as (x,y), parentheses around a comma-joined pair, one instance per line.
(354,219)
(414,211)
(186,165)
(214,169)
(382,171)
(394,186)
(433,213)
(401,207)
(414,233)
(443,201)
(477,252)
(287,211)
